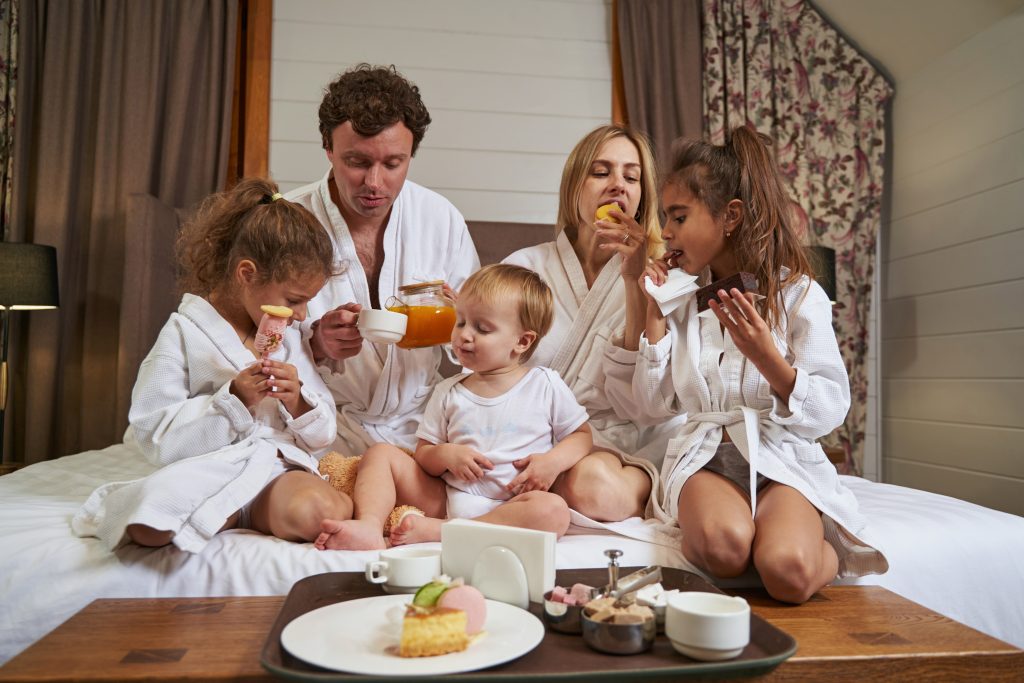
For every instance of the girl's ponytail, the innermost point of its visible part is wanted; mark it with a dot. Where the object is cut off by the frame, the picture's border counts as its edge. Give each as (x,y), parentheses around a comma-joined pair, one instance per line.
(765,242)
(250,221)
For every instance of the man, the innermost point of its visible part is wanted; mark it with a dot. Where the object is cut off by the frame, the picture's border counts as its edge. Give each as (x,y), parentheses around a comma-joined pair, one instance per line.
(387,232)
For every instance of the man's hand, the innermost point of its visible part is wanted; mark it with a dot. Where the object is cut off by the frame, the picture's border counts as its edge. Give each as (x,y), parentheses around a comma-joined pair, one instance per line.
(335,335)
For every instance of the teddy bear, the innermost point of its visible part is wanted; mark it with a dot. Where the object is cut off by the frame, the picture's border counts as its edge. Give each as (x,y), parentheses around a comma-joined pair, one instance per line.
(340,471)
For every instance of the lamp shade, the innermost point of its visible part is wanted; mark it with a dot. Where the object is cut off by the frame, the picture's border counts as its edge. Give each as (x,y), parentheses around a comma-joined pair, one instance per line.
(28,276)
(823,263)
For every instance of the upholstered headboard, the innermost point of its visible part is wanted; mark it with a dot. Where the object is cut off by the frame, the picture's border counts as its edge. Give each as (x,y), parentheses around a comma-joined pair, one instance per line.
(494,241)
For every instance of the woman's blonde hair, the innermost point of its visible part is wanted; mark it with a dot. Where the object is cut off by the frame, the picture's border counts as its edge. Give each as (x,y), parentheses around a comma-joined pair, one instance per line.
(503,284)
(577,168)
(764,241)
(282,238)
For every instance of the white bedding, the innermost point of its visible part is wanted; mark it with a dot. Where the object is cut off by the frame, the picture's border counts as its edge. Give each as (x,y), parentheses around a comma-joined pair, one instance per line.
(959,559)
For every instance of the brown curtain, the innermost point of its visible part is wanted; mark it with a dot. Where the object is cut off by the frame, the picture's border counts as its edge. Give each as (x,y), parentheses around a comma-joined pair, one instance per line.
(116,97)
(660,48)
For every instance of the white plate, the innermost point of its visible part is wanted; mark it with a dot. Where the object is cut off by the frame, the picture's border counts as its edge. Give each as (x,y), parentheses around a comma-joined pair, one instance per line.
(361,637)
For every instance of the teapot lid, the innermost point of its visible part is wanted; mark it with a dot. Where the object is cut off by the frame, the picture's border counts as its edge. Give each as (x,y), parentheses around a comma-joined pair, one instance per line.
(419,286)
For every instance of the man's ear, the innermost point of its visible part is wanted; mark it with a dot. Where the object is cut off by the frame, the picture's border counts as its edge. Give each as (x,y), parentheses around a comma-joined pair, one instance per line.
(733,215)
(245,272)
(525,341)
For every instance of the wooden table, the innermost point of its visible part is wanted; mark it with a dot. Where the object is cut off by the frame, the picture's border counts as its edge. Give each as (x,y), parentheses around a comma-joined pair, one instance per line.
(844,634)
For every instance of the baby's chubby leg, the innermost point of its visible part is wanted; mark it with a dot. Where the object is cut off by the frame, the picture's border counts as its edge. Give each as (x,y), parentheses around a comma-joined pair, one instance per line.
(539,510)
(387,476)
(293,505)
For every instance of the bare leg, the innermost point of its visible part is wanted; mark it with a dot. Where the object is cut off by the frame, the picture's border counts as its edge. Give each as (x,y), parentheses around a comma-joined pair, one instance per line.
(539,510)
(718,532)
(292,506)
(601,487)
(387,476)
(790,551)
(148,536)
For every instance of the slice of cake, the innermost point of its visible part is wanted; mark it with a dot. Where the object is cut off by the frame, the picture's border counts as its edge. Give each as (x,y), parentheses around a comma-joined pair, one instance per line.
(444,616)
(427,632)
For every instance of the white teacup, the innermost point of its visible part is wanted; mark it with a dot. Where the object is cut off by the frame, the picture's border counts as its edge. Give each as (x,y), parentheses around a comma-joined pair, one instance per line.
(708,626)
(403,570)
(382,326)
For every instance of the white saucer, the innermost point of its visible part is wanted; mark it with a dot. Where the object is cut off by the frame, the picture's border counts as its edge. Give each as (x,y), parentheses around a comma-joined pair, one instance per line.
(398,590)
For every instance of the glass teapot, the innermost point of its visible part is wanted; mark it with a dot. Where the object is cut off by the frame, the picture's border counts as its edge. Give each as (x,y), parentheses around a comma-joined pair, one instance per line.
(430,312)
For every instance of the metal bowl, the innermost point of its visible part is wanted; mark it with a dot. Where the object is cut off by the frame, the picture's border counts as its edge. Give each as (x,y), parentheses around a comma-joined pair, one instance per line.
(561,617)
(618,639)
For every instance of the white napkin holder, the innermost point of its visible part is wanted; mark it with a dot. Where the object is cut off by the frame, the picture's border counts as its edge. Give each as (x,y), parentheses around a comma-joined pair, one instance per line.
(504,563)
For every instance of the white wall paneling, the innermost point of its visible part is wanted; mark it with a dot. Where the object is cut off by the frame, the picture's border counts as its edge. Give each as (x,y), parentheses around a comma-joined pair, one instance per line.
(511,87)
(952,314)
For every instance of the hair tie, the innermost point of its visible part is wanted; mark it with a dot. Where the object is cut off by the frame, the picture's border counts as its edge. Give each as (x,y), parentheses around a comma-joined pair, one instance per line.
(275,196)
(267,198)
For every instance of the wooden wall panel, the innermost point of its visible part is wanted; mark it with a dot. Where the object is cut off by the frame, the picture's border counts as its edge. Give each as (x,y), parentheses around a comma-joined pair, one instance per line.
(991,355)
(992,402)
(992,450)
(998,162)
(973,309)
(511,87)
(985,214)
(981,262)
(1000,493)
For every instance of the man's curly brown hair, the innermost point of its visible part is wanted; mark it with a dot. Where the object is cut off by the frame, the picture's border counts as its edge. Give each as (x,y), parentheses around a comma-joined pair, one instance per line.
(372,98)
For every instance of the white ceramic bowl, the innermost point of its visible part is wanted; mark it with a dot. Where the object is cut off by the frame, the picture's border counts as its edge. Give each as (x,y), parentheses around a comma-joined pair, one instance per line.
(381,326)
(708,626)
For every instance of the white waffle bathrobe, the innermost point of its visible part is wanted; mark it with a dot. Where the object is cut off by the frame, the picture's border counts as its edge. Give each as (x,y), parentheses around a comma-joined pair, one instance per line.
(584,322)
(381,392)
(682,375)
(215,455)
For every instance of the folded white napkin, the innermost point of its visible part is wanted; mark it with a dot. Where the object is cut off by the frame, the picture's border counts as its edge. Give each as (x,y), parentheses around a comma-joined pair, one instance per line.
(669,296)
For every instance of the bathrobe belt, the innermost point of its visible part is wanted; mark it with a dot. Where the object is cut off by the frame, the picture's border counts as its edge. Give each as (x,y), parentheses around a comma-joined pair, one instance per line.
(743,425)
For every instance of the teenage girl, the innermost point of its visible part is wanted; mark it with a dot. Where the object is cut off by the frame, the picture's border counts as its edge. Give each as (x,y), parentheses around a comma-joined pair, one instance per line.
(758,377)
(236,436)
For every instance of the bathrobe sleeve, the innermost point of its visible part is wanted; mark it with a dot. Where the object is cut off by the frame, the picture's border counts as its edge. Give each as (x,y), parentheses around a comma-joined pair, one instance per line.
(169,421)
(639,383)
(821,396)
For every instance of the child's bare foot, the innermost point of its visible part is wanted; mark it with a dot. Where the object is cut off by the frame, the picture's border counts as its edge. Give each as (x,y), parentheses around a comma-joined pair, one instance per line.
(416,529)
(350,534)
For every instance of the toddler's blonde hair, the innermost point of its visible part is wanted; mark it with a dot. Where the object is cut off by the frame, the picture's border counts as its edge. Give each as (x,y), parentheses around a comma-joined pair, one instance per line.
(505,284)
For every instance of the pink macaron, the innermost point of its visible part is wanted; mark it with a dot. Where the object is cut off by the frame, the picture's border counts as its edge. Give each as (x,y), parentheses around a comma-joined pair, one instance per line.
(469,600)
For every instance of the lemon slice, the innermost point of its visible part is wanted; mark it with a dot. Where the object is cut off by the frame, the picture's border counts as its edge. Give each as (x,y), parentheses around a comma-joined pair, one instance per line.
(602,212)
(277,311)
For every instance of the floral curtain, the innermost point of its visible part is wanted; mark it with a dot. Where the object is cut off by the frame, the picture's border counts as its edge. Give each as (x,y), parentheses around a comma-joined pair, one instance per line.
(779,66)
(8,79)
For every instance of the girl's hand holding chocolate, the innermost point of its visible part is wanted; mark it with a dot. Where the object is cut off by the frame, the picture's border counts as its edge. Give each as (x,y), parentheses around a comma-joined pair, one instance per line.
(747,328)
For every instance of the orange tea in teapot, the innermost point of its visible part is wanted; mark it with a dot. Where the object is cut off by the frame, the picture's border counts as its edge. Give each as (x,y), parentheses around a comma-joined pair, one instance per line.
(430,312)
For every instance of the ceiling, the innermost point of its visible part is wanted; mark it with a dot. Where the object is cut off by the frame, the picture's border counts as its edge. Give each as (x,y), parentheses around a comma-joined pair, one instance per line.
(904,35)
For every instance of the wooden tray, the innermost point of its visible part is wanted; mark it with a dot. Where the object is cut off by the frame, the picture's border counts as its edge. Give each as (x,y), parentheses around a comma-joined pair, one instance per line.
(559,657)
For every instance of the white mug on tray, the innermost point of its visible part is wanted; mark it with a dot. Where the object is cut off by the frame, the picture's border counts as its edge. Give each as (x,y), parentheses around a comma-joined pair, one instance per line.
(403,570)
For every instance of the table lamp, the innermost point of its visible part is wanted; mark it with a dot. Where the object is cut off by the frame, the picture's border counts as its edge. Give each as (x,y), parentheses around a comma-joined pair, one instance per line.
(28,281)
(823,263)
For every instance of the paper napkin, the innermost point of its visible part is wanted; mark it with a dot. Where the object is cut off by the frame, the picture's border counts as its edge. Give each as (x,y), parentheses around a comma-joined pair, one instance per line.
(669,296)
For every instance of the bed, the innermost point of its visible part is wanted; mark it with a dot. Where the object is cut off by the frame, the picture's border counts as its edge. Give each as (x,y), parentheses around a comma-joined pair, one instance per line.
(961,560)
(956,558)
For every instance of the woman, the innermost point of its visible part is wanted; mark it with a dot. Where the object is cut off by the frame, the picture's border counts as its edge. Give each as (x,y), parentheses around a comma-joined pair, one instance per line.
(610,165)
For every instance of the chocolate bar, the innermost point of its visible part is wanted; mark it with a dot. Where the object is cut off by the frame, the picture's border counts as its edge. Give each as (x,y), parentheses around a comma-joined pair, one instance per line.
(745,282)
